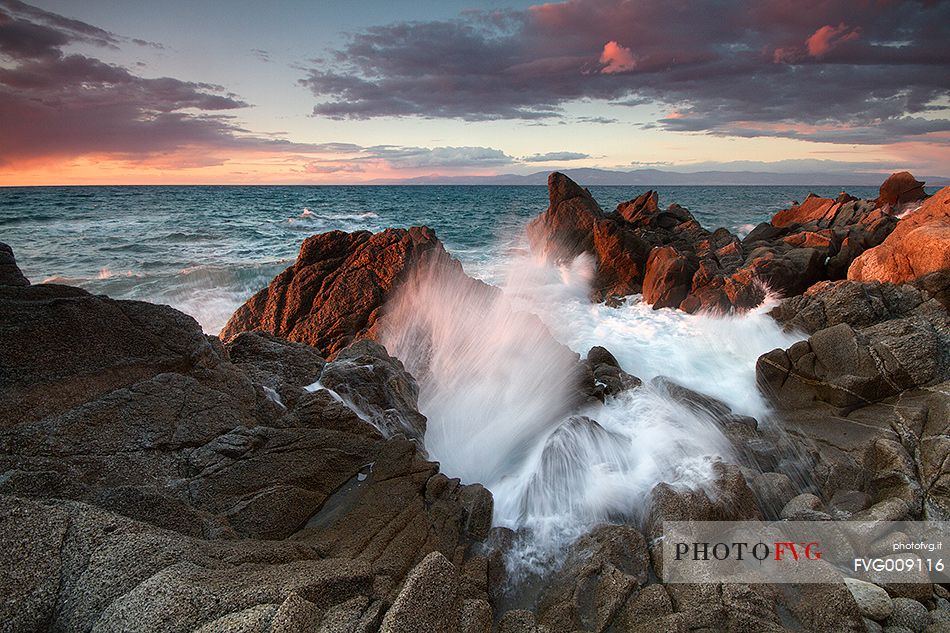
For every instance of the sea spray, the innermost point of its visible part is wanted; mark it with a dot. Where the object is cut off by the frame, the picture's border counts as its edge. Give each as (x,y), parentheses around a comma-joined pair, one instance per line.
(492,379)
(503,407)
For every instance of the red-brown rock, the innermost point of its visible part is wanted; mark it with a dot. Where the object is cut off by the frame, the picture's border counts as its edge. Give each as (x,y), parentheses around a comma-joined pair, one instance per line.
(813,209)
(566,228)
(901,188)
(668,278)
(621,260)
(334,292)
(918,245)
(643,205)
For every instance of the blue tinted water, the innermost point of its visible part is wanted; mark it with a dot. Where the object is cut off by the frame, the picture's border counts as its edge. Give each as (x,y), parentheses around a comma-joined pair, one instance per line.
(204,250)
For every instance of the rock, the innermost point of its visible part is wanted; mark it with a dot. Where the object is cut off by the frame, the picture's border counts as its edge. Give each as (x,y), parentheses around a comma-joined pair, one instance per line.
(561,476)
(931,455)
(644,206)
(730,499)
(801,506)
(599,574)
(295,614)
(909,614)
(282,367)
(918,245)
(937,286)
(621,257)
(850,501)
(858,304)
(201,477)
(607,373)
(848,369)
(378,387)
(429,599)
(892,473)
(872,626)
(110,345)
(645,606)
(693,399)
(900,188)
(334,292)
(668,278)
(518,621)
(773,491)
(813,209)
(10,274)
(893,509)
(566,229)
(873,601)
(476,617)
(117,574)
(827,608)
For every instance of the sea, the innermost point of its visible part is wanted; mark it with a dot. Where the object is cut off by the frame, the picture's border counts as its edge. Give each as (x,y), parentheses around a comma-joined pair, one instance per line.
(493,389)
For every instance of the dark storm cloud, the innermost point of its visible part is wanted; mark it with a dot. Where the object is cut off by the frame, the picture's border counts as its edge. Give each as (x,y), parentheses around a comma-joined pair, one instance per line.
(60,104)
(809,70)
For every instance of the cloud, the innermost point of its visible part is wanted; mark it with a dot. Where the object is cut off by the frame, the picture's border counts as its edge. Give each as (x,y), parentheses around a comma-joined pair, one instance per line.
(67,105)
(437,157)
(822,41)
(552,157)
(616,58)
(770,67)
(353,159)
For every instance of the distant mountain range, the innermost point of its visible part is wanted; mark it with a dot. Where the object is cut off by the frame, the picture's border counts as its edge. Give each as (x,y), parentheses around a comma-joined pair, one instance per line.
(591,176)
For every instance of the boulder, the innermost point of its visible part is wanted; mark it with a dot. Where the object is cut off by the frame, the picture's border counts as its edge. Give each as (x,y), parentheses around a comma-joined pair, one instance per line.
(566,228)
(668,278)
(335,291)
(598,576)
(729,498)
(857,304)
(10,274)
(849,368)
(873,601)
(166,482)
(918,245)
(429,599)
(814,209)
(378,387)
(909,614)
(901,188)
(607,374)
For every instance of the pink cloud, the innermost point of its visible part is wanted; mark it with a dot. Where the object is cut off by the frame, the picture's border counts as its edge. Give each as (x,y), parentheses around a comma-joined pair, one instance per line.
(617,58)
(825,39)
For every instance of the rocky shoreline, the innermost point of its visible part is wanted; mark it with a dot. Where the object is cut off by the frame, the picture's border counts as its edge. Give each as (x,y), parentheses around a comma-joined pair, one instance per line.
(276,479)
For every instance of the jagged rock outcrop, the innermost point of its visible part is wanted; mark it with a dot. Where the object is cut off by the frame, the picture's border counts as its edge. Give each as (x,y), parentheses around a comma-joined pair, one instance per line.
(378,387)
(868,391)
(334,292)
(918,245)
(154,479)
(600,573)
(675,262)
(10,274)
(901,188)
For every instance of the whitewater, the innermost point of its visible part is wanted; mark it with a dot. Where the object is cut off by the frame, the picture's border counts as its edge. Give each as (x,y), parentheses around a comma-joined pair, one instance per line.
(495,370)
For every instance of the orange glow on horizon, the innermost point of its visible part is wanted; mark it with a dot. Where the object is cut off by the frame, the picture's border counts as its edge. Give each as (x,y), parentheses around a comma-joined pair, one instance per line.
(197,167)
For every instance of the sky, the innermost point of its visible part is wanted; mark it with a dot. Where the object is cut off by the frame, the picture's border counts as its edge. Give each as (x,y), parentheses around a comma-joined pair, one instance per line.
(187,92)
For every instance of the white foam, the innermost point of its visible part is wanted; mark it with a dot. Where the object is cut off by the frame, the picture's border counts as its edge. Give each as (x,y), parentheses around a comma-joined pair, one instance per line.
(495,389)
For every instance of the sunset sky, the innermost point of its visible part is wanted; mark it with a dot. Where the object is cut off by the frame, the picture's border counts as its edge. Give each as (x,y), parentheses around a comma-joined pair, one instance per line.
(103,92)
